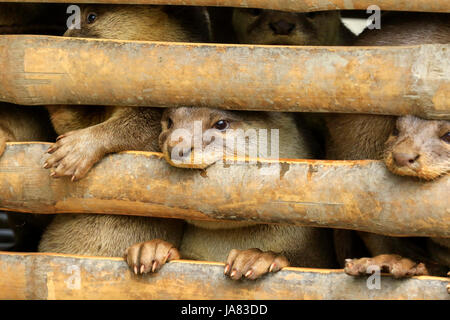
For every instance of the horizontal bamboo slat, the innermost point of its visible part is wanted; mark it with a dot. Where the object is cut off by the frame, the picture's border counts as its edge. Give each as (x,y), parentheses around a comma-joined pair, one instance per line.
(286,5)
(49,276)
(359,195)
(38,70)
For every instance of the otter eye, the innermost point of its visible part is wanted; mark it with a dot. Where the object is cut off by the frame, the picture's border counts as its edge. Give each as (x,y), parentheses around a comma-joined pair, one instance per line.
(221,125)
(395,132)
(169,123)
(255,12)
(91,17)
(446,137)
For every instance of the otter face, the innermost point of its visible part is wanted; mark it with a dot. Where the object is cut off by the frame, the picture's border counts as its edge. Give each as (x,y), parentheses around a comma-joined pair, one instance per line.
(419,148)
(256,26)
(198,137)
(128,22)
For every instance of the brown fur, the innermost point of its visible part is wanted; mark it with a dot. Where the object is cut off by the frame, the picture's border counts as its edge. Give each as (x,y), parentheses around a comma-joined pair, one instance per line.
(297,144)
(23,124)
(204,240)
(391,263)
(101,130)
(355,137)
(104,235)
(255,26)
(419,148)
(363,136)
(88,135)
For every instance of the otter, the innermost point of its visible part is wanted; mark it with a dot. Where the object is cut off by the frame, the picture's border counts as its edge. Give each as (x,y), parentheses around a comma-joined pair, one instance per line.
(249,249)
(21,124)
(416,148)
(419,148)
(358,137)
(269,27)
(88,134)
(394,264)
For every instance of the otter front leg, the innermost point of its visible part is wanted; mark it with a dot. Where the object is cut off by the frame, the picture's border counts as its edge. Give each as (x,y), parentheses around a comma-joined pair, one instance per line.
(394,264)
(253,263)
(150,256)
(75,152)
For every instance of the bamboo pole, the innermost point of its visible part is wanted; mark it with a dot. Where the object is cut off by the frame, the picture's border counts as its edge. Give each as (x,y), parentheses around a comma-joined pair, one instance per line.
(359,195)
(285,5)
(38,70)
(51,276)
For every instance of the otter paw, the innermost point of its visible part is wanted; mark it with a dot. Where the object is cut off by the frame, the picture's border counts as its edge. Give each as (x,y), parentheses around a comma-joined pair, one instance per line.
(253,263)
(73,154)
(393,264)
(150,256)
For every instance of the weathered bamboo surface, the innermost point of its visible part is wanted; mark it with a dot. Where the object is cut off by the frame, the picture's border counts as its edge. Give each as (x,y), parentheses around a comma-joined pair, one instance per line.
(359,195)
(287,5)
(49,276)
(37,70)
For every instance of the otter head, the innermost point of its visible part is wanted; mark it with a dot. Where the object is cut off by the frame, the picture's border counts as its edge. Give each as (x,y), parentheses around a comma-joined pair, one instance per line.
(194,137)
(419,148)
(145,23)
(256,26)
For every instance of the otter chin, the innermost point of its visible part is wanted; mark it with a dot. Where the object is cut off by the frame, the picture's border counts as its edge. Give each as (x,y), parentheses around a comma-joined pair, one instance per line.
(193,160)
(417,170)
(419,148)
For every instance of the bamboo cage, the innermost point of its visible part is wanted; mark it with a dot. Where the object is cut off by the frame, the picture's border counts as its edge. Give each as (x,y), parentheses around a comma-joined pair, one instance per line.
(388,204)
(109,278)
(285,5)
(40,70)
(45,71)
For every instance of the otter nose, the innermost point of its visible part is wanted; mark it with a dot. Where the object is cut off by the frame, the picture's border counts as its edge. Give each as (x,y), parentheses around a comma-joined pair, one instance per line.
(282,27)
(405,159)
(180,153)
